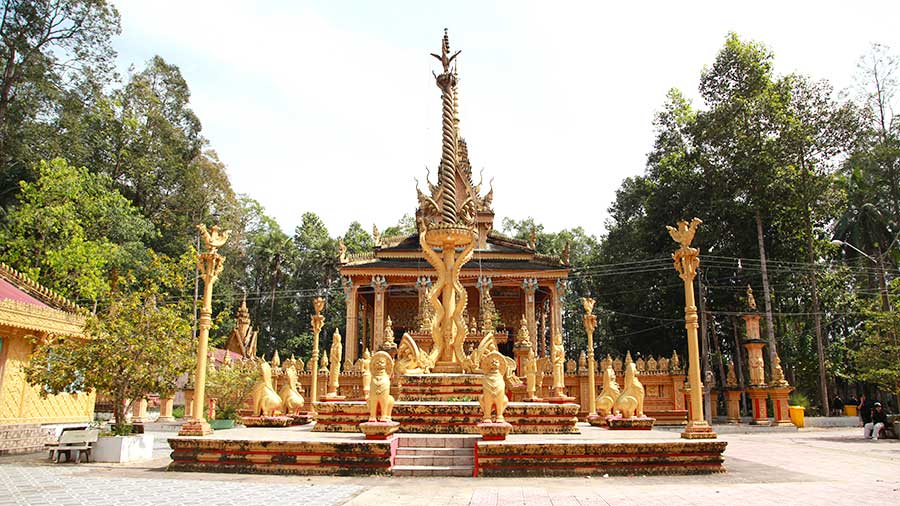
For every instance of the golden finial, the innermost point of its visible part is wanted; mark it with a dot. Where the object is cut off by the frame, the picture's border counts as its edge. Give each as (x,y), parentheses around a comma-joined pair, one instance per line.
(751,300)
(445,57)
(684,234)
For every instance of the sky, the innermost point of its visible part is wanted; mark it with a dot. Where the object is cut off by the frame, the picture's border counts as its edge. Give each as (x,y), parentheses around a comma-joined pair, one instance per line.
(331,106)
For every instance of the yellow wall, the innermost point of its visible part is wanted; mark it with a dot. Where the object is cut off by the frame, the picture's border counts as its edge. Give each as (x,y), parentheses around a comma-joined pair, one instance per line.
(21,402)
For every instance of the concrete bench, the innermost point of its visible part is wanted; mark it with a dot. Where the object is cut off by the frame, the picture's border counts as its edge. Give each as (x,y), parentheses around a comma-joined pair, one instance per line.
(75,443)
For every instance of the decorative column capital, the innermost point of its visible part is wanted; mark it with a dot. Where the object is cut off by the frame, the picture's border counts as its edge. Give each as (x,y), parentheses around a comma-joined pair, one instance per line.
(686,258)
(590,319)
(484,283)
(561,286)
(423,283)
(379,283)
(530,285)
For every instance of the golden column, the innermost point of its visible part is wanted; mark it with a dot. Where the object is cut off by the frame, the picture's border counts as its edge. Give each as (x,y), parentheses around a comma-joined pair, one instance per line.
(687,260)
(590,323)
(210,265)
(318,321)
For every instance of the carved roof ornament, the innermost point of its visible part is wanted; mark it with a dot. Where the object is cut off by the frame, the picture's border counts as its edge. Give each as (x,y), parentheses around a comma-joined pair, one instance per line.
(567,249)
(751,300)
(376,236)
(342,251)
(242,339)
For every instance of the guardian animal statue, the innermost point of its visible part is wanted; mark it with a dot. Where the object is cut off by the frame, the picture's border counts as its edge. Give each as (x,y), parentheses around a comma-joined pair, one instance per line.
(381,403)
(290,394)
(493,397)
(631,401)
(607,398)
(265,401)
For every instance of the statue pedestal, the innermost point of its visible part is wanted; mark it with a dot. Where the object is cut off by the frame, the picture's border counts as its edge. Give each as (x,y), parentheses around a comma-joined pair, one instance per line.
(494,431)
(780,400)
(758,396)
(560,399)
(333,398)
(447,367)
(597,420)
(533,399)
(266,421)
(636,423)
(195,427)
(698,429)
(302,418)
(733,405)
(379,430)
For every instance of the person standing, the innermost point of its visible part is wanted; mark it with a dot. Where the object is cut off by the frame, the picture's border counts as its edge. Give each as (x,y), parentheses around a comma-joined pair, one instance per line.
(878,420)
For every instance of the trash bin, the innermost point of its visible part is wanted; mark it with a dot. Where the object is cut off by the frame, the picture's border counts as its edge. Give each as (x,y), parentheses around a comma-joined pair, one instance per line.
(850,410)
(797,415)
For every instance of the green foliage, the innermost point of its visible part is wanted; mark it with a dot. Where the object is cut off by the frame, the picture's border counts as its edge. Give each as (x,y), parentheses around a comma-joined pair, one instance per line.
(799,399)
(71,229)
(230,384)
(137,347)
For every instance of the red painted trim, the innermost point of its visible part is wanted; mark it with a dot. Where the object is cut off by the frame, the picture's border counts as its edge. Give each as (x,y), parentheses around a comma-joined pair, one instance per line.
(599,455)
(298,464)
(295,454)
(443,415)
(450,424)
(635,465)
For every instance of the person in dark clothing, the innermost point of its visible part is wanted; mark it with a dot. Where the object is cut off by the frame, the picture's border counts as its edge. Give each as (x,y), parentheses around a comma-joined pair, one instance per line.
(837,405)
(865,409)
(877,422)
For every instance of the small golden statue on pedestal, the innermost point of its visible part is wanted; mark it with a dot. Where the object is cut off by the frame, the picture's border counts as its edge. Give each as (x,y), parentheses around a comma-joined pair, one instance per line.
(381,402)
(607,398)
(265,401)
(630,402)
(493,397)
(334,372)
(531,377)
(366,373)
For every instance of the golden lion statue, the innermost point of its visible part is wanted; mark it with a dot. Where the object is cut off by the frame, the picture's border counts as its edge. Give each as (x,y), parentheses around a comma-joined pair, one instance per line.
(607,398)
(381,403)
(631,400)
(290,395)
(265,401)
(493,395)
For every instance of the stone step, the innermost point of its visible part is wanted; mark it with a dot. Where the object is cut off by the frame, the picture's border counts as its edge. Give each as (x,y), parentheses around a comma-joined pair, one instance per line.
(429,460)
(432,470)
(435,452)
(437,441)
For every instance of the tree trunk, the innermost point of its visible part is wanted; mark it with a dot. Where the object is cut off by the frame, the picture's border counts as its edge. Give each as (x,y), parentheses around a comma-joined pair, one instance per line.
(738,361)
(770,321)
(704,352)
(715,340)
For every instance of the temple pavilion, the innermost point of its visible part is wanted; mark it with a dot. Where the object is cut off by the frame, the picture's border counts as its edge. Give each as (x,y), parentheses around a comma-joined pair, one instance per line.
(505,280)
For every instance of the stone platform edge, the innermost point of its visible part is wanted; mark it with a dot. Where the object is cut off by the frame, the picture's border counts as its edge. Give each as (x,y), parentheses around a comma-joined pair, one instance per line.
(364,457)
(558,458)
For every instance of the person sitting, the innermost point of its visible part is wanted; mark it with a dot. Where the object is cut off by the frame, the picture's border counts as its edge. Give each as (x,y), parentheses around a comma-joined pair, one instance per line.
(878,420)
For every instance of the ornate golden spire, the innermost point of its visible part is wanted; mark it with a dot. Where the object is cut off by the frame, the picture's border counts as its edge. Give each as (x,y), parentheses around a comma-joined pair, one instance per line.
(446,81)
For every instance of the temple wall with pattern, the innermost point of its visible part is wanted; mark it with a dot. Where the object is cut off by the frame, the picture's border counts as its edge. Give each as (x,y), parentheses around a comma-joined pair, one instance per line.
(21,402)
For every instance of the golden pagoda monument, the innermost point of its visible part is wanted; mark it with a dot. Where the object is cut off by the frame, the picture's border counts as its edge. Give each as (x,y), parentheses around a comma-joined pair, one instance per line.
(456,281)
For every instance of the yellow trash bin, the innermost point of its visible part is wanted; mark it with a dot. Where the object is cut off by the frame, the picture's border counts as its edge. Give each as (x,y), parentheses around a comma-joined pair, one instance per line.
(797,415)
(850,410)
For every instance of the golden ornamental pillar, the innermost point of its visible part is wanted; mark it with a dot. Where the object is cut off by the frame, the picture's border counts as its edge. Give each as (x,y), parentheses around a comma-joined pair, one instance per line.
(351,340)
(210,265)
(590,323)
(529,286)
(687,260)
(318,321)
(379,283)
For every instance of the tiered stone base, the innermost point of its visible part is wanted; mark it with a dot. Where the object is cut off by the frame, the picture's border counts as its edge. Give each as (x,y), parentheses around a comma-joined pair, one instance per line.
(494,431)
(559,400)
(440,387)
(638,423)
(695,430)
(378,430)
(282,457)
(450,418)
(195,428)
(597,420)
(564,458)
(334,398)
(302,418)
(266,421)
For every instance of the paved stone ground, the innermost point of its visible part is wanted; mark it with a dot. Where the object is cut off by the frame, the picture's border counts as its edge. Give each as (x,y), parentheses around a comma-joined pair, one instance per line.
(815,466)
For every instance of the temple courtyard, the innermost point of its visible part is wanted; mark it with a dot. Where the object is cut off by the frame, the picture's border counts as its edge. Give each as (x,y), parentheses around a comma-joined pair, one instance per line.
(810,466)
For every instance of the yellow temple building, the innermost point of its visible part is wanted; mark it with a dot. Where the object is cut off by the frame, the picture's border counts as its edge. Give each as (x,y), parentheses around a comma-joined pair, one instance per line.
(28,311)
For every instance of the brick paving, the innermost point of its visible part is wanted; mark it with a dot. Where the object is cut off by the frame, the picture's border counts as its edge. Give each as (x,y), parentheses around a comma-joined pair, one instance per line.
(818,466)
